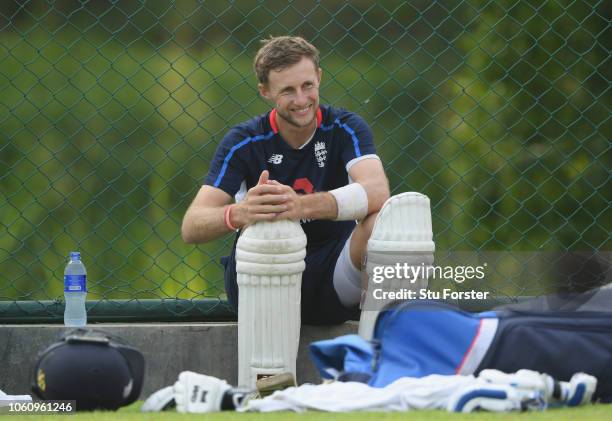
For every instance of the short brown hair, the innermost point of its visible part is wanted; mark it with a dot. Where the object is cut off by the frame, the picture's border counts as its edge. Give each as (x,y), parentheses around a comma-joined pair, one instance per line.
(278,53)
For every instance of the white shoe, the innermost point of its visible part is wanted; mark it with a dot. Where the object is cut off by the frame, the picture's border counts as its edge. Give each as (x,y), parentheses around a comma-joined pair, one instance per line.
(579,390)
(524,380)
(198,393)
(495,398)
(500,392)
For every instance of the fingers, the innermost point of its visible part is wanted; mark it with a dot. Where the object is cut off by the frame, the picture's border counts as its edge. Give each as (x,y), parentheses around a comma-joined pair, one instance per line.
(281,188)
(265,209)
(262,189)
(267,199)
(263,177)
(262,217)
(289,214)
(286,189)
(271,187)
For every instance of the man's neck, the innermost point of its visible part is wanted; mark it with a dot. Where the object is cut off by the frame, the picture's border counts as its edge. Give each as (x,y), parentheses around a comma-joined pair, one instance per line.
(296,137)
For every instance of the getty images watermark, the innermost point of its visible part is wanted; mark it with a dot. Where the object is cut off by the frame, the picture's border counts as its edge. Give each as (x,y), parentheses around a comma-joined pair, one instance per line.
(484,278)
(405,282)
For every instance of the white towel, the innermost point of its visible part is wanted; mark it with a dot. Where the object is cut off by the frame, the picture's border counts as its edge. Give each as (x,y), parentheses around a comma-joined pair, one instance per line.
(6,399)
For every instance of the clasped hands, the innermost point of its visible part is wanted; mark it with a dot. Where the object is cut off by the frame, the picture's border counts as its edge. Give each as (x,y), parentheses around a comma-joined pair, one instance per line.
(269,200)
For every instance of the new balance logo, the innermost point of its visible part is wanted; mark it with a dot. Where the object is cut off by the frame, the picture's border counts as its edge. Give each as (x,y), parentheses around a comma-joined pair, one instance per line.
(276,159)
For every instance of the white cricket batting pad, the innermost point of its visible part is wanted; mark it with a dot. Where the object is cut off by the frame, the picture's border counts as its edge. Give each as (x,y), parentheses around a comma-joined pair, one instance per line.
(403,235)
(269,264)
(197,393)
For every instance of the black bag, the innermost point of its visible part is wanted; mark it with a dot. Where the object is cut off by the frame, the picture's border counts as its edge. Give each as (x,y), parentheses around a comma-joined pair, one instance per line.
(416,339)
(557,343)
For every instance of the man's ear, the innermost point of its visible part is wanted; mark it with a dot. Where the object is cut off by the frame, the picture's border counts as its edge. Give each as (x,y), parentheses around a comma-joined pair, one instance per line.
(320,74)
(263,91)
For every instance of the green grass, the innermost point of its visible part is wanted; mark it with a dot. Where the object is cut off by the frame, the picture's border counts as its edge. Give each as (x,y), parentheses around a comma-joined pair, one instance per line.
(131,413)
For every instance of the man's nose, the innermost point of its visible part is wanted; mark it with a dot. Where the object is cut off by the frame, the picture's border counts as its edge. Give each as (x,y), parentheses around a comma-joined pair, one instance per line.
(300,97)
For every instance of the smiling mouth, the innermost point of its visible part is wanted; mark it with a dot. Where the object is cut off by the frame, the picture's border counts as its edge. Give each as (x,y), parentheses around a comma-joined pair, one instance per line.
(302,111)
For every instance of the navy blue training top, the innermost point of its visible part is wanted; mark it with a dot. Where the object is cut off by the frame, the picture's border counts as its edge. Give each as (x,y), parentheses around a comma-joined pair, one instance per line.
(342,138)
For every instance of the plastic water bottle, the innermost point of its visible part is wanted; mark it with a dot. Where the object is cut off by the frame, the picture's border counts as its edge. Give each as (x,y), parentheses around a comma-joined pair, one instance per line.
(75,291)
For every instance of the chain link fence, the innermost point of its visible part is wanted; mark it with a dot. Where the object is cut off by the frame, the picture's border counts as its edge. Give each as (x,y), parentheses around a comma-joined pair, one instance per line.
(110,113)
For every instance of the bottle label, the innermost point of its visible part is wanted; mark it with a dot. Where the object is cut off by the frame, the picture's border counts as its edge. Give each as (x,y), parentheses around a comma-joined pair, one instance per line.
(75,283)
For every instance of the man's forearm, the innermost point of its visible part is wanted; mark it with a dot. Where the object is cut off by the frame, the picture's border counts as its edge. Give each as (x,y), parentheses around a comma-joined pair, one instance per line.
(319,206)
(324,206)
(203,224)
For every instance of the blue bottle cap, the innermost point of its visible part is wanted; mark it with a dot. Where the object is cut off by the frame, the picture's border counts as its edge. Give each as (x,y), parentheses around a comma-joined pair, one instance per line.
(75,255)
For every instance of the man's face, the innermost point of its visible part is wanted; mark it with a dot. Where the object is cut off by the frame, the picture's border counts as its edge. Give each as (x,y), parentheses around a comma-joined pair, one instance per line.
(295,92)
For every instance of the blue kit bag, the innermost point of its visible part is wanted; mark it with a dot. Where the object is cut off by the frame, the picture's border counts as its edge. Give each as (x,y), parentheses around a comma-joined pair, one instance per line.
(416,339)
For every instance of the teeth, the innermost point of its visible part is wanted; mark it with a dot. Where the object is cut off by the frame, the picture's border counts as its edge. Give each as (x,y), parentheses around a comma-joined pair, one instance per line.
(302,110)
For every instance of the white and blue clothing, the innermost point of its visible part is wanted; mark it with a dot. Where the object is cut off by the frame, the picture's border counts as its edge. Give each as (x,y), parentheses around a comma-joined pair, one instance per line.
(342,139)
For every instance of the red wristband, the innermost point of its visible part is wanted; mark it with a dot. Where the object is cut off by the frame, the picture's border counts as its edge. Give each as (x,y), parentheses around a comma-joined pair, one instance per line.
(226,217)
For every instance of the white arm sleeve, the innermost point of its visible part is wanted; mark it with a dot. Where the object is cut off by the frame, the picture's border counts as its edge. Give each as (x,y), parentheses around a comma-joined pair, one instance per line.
(352,202)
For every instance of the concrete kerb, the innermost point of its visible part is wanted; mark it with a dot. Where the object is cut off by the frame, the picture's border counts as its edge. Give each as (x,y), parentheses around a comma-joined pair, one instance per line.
(168,348)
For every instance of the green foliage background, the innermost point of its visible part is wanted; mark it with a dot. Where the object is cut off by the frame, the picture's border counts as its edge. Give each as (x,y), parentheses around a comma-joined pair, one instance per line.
(110,113)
